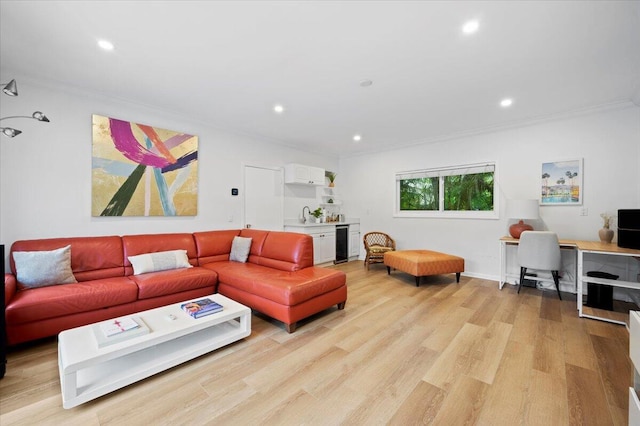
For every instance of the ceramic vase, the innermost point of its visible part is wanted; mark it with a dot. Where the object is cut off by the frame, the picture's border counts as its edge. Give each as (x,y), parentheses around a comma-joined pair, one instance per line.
(606,235)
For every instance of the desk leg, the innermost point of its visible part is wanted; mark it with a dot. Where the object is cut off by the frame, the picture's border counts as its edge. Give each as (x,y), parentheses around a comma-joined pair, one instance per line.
(579,282)
(503,264)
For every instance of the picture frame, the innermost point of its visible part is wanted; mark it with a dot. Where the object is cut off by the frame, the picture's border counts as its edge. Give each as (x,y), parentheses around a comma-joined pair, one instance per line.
(142,170)
(561,183)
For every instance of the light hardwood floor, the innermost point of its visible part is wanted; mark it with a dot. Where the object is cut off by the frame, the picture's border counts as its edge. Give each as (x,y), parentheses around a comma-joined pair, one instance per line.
(442,353)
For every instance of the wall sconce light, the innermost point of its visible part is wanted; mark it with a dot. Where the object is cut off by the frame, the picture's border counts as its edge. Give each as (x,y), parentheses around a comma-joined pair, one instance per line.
(11,89)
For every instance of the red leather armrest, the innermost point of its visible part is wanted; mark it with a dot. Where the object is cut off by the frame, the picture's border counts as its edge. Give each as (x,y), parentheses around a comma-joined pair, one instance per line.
(9,287)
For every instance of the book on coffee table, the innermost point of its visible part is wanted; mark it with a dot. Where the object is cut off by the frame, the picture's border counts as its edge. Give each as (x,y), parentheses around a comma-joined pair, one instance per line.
(119,329)
(201,308)
(118,325)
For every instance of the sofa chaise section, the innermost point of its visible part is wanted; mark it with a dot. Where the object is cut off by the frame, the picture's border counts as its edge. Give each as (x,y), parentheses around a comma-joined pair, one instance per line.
(278,279)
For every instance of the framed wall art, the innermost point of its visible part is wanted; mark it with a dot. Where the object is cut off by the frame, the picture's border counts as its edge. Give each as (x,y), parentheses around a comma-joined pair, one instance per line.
(140,170)
(561,183)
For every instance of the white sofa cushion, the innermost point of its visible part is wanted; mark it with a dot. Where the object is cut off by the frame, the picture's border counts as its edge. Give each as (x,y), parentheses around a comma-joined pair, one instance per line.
(240,248)
(43,268)
(159,261)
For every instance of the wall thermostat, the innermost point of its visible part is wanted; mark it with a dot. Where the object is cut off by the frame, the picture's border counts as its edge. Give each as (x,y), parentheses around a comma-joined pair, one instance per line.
(234,191)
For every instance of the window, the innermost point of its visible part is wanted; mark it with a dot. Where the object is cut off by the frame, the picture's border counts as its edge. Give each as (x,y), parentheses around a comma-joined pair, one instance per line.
(460,191)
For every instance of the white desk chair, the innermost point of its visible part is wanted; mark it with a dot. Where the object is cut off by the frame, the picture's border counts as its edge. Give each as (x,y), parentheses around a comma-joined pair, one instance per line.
(539,250)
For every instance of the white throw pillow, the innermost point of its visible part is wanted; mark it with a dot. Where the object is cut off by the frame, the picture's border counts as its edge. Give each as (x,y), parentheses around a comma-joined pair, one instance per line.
(43,268)
(240,249)
(159,261)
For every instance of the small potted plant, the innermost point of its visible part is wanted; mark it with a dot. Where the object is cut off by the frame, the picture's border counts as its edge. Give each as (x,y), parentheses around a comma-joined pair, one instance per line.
(332,178)
(317,214)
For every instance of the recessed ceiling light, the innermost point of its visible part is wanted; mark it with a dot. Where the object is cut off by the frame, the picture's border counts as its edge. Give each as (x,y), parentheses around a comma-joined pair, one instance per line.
(357,138)
(470,27)
(278,109)
(366,83)
(506,103)
(105,44)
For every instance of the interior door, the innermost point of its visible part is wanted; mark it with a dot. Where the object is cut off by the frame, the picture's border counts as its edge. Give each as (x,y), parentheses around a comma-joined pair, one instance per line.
(263,198)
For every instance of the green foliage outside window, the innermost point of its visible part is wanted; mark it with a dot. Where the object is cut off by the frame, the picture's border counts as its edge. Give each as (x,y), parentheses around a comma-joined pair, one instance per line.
(461,192)
(468,192)
(419,194)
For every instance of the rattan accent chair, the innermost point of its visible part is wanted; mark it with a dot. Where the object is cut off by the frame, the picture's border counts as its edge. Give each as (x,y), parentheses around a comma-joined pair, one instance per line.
(376,244)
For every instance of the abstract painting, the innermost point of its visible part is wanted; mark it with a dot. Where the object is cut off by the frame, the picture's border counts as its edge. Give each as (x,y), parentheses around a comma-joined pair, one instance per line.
(140,170)
(561,183)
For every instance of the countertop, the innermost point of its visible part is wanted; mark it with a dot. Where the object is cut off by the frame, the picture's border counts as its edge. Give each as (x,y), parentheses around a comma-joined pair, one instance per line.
(295,223)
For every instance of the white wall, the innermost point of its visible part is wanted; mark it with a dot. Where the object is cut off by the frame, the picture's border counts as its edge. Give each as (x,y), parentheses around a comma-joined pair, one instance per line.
(608,141)
(45,173)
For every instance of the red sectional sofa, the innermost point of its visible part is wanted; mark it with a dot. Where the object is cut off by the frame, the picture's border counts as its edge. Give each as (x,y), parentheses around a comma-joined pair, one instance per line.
(278,279)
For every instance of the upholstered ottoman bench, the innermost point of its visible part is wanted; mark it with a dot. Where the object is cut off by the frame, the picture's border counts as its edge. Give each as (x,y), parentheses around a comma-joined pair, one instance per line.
(423,262)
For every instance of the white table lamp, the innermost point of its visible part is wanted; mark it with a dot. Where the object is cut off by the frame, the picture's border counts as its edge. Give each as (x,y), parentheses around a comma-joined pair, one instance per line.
(521,210)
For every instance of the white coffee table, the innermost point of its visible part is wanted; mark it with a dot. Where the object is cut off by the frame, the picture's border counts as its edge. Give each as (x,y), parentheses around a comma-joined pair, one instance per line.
(87,371)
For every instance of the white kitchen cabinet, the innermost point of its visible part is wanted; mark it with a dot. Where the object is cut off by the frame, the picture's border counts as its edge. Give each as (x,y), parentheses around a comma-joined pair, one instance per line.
(324,241)
(354,240)
(305,175)
(324,244)
(317,175)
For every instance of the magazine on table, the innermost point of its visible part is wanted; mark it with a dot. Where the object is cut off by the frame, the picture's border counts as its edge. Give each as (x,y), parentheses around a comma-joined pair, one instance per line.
(118,325)
(201,308)
(118,330)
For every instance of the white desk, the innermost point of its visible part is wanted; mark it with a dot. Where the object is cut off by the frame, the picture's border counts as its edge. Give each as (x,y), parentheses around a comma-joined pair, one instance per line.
(582,249)
(504,273)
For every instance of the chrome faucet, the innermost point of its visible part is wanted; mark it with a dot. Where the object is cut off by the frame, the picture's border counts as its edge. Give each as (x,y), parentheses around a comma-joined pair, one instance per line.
(304,218)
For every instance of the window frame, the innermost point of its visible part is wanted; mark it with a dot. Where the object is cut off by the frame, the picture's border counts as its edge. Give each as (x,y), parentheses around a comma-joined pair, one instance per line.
(441,172)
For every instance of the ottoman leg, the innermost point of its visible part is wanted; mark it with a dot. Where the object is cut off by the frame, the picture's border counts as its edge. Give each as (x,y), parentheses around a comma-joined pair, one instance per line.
(417,281)
(457,277)
(388,270)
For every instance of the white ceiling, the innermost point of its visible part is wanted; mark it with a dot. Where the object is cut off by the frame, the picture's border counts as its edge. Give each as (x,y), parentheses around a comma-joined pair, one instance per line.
(228,63)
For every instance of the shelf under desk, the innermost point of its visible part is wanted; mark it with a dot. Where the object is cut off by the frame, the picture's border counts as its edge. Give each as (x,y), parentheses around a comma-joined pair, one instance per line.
(606,249)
